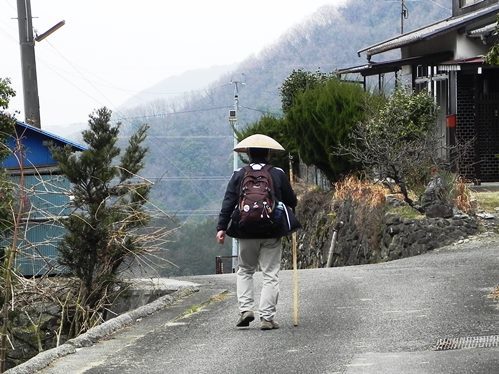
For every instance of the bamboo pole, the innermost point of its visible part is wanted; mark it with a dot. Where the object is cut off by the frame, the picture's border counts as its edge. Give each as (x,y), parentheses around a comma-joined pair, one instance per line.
(295,256)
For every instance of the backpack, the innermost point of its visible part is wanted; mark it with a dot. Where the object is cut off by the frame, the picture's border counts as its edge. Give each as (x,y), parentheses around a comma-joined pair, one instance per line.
(257,201)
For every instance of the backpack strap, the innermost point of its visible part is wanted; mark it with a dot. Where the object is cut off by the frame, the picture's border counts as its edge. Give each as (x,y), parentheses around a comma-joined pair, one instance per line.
(267,168)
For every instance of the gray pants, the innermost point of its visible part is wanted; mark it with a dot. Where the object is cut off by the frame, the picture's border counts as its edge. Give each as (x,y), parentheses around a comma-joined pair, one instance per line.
(265,253)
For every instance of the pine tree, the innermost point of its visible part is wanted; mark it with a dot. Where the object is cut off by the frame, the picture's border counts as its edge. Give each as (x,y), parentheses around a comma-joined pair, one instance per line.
(108,202)
(320,119)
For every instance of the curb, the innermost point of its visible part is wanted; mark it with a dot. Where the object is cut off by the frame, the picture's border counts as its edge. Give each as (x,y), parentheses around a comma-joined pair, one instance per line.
(92,336)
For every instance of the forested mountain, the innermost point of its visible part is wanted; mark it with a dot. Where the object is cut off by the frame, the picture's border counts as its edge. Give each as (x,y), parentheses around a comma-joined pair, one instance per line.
(190,143)
(175,89)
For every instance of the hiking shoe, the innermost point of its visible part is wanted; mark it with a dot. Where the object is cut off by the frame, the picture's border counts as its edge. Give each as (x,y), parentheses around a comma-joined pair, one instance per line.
(245,319)
(268,325)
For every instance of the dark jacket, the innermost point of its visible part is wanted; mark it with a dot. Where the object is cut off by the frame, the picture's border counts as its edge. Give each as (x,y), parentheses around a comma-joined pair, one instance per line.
(282,189)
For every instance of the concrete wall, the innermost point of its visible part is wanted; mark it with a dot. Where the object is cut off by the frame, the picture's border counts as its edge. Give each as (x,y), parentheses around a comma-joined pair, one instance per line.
(469,47)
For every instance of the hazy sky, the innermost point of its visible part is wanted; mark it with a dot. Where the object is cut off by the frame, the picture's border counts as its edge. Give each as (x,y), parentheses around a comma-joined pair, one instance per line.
(109,50)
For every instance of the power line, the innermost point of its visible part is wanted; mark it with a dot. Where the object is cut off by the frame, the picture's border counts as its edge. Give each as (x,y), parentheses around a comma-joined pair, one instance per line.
(160,115)
(70,82)
(81,74)
(180,171)
(191,178)
(195,214)
(260,111)
(183,136)
(146,92)
(11,5)
(9,35)
(431,1)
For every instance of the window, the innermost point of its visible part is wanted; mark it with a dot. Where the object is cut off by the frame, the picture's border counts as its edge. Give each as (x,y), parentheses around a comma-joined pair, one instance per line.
(465,3)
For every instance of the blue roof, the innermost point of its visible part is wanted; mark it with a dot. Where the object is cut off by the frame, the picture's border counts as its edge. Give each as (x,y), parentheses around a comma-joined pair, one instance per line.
(36,150)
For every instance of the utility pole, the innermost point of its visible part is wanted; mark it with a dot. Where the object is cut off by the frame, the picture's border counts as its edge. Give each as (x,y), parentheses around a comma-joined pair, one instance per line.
(404,13)
(233,123)
(233,117)
(28,63)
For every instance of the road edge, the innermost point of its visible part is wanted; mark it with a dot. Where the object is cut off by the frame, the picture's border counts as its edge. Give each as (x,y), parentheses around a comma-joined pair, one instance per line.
(92,336)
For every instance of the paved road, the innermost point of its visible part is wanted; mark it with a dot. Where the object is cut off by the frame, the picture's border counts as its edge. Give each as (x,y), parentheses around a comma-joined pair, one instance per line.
(384,318)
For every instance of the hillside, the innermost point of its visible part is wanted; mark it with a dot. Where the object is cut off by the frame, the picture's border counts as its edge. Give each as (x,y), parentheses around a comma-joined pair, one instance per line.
(191,142)
(175,89)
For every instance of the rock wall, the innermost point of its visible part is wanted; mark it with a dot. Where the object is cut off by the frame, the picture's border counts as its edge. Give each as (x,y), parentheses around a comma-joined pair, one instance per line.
(34,325)
(394,237)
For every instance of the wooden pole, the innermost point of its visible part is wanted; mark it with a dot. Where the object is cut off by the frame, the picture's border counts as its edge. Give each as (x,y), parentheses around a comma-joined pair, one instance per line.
(295,257)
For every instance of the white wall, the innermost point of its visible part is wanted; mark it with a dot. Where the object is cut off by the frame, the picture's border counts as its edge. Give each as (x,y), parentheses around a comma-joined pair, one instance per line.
(438,44)
(469,47)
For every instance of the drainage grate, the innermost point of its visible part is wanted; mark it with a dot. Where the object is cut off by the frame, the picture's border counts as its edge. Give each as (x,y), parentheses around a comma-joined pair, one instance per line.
(467,342)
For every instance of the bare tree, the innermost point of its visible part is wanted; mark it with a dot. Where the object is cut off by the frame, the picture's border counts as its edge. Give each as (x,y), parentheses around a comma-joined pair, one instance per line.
(397,143)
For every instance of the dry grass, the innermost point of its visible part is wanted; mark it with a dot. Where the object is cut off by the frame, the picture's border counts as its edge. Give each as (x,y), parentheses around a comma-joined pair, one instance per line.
(361,204)
(219,297)
(463,199)
(487,201)
(494,294)
(361,191)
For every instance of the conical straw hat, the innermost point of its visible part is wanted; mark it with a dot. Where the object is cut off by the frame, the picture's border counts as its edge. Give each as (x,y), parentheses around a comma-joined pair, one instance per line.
(258,141)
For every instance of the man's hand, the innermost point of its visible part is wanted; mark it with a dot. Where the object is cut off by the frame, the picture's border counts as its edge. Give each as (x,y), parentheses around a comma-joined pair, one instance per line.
(221,237)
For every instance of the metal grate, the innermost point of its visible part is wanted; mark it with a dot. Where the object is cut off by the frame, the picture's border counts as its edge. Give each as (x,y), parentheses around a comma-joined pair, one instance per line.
(467,342)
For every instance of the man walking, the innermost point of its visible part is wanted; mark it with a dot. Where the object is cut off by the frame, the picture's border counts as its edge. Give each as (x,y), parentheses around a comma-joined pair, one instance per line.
(256,250)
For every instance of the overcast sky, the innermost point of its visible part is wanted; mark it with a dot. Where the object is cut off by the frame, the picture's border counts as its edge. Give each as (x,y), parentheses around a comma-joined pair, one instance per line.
(110,50)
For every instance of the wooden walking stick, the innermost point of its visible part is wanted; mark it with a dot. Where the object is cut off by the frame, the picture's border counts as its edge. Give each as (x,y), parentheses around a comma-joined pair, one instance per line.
(295,257)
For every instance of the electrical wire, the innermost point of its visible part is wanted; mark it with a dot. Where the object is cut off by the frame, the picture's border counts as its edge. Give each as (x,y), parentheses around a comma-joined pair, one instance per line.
(80,73)
(191,178)
(182,173)
(432,1)
(98,102)
(184,136)
(160,115)
(260,111)
(11,5)
(9,35)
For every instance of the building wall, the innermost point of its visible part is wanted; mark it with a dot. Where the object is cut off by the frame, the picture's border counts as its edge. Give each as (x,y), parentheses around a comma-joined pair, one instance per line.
(440,92)
(46,201)
(487,124)
(442,43)
(465,129)
(469,47)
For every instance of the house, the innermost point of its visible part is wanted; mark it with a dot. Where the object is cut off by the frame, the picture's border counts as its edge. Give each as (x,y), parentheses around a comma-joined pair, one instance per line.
(44,192)
(447,59)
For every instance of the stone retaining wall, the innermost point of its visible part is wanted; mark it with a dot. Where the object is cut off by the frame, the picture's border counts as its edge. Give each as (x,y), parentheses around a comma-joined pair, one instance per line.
(35,326)
(395,238)
(409,237)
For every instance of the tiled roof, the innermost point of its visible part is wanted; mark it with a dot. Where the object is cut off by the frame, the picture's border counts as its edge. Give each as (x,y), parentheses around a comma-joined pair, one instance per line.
(430,31)
(490,28)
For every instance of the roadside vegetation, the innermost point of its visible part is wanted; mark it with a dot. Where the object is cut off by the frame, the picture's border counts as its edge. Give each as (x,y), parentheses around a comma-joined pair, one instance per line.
(371,148)
(487,201)
(343,131)
(109,226)
(367,145)
(379,153)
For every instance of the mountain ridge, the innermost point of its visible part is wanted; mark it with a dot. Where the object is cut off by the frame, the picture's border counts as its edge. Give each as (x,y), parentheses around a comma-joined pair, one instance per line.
(191,144)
